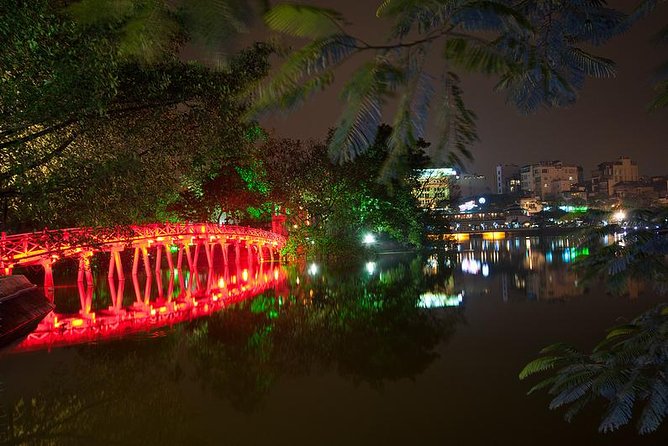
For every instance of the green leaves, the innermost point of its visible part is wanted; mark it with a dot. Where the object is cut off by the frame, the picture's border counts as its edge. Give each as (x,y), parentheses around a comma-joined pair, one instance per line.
(303,73)
(364,96)
(303,20)
(475,54)
(456,123)
(598,67)
(627,369)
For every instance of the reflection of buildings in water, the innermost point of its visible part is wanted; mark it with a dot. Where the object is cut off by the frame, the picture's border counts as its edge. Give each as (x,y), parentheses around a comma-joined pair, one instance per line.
(519,268)
(553,283)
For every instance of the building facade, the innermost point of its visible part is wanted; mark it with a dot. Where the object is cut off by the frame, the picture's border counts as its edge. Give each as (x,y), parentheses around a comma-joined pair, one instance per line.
(549,178)
(435,186)
(608,174)
(508,179)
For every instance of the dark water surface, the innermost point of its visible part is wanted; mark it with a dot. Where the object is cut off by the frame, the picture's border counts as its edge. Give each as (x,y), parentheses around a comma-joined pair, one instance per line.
(396,351)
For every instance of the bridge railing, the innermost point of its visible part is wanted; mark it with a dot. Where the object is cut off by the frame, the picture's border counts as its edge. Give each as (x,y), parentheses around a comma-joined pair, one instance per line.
(31,248)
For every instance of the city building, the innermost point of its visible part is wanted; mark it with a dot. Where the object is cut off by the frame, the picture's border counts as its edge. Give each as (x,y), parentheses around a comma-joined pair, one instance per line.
(549,178)
(508,179)
(608,174)
(435,186)
(470,185)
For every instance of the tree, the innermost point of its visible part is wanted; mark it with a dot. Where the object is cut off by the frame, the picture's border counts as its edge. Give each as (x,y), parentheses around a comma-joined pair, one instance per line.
(536,49)
(116,141)
(330,205)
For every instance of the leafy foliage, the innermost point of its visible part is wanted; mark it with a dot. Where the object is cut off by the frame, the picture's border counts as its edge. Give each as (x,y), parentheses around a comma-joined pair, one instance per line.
(329,206)
(629,368)
(630,255)
(534,48)
(117,140)
(645,8)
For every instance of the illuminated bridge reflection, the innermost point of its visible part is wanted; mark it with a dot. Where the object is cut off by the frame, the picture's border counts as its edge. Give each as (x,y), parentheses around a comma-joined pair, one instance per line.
(178,296)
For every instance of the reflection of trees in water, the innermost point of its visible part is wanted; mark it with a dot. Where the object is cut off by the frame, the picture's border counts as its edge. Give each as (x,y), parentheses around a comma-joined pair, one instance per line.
(368,329)
(115,396)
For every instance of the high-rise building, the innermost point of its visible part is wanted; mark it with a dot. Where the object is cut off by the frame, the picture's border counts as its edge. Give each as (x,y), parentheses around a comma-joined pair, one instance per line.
(549,178)
(508,179)
(609,173)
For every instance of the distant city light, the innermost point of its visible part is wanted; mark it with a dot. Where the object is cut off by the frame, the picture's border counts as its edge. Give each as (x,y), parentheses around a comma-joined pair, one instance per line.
(469,205)
(435,173)
(619,216)
(485,270)
(482,200)
(470,266)
(369,239)
(431,300)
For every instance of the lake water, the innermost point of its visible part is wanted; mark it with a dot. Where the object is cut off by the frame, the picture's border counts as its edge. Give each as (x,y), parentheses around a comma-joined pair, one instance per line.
(393,350)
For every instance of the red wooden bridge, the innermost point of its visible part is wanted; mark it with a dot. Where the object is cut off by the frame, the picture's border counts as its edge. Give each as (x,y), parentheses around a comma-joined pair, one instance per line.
(159,242)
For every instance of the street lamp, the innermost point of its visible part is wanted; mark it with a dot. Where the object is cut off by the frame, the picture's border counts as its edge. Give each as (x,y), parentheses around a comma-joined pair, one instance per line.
(369,239)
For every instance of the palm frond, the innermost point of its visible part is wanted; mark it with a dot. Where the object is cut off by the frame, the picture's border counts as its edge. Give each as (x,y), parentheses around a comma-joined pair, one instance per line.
(475,54)
(455,123)
(598,67)
(149,34)
(303,20)
(626,369)
(214,22)
(411,116)
(488,16)
(364,96)
(292,78)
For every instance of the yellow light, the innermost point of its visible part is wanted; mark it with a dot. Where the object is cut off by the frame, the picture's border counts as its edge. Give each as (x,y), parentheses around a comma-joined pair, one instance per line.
(152,311)
(221,283)
(77,322)
(162,309)
(244,275)
(494,235)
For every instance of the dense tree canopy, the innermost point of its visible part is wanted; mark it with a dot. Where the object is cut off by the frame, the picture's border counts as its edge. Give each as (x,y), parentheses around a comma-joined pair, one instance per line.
(89,136)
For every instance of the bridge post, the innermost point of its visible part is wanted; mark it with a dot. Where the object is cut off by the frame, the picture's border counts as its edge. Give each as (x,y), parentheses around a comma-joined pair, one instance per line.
(237,254)
(147,269)
(158,265)
(170,264)
(223,247)
(85,288)
(116,294)
(189,257)
(47,264)
(135,262)
(179,268)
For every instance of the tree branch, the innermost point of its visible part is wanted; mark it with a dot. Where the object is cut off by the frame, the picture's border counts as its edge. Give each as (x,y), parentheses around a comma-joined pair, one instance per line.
(43,160)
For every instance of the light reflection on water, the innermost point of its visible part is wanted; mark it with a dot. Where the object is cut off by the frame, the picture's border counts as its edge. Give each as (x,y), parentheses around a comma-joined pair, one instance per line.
(387,351)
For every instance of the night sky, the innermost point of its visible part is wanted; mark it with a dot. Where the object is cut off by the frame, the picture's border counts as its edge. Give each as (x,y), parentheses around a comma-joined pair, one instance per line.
(609,120)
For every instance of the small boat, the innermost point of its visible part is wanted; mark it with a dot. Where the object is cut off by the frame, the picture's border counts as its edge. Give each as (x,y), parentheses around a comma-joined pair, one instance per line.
(22,307)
